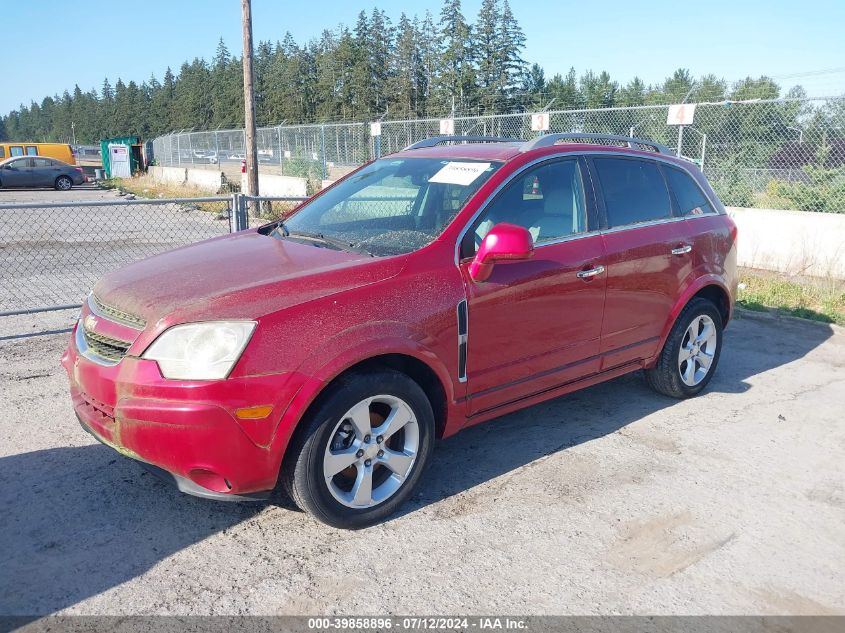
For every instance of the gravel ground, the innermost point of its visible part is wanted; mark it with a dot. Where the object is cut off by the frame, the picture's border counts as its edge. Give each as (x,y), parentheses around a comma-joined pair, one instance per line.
(612,500)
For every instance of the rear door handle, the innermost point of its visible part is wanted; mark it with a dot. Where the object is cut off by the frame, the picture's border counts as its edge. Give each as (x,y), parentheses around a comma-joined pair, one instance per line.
(682,250)
(590,272)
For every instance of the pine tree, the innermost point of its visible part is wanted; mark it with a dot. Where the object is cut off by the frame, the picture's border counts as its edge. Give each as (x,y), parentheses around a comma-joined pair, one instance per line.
(564,90)
(407,77)
(430,57)
(511,42)
(456,85)
(488,54)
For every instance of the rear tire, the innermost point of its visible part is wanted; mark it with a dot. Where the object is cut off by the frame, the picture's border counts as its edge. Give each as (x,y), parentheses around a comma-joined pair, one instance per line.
(63,183)
(361,449)
(689,357)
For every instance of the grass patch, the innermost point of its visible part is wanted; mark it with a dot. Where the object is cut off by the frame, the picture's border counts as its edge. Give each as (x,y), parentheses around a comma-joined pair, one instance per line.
(145,187)
(808,298)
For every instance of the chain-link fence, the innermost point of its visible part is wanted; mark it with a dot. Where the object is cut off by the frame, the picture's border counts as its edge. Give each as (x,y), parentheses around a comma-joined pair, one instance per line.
(782,154)
(51,254)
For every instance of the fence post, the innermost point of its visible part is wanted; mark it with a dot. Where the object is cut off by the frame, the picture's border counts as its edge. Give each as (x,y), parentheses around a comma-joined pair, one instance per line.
(323,151)
(239,205)
(280,151)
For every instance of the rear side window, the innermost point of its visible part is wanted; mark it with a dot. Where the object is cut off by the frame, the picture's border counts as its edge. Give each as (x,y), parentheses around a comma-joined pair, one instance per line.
(634,191)
(42,162)
(31,150)
(691,200)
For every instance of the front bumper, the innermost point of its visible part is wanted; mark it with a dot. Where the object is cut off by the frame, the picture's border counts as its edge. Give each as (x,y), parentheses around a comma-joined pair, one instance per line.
(186,428)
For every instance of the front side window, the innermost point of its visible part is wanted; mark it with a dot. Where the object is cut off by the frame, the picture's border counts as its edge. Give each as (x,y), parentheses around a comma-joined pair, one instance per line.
(392,206)
(548,200)
(691,200)
(634,191)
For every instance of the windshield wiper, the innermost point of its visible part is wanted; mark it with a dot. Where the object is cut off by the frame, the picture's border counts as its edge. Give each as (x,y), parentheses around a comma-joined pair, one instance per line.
(342,245)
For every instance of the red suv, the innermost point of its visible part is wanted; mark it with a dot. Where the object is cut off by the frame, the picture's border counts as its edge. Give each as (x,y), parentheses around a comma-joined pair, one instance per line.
(455,281)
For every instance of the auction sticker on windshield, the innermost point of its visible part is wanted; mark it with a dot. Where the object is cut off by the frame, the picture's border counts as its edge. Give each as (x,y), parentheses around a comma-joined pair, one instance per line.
(459,173)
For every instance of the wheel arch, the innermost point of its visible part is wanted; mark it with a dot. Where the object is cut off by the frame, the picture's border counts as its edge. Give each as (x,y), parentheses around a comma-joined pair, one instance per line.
(417,370)
(710,287)
(410,365)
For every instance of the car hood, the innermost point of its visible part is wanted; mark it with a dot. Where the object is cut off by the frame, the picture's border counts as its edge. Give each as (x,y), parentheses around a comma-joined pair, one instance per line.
(240,276)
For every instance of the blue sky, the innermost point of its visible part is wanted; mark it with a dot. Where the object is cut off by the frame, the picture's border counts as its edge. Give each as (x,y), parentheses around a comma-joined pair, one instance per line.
(648,38)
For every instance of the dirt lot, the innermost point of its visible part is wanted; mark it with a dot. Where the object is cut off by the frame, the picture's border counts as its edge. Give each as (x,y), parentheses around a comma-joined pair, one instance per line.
(612,500)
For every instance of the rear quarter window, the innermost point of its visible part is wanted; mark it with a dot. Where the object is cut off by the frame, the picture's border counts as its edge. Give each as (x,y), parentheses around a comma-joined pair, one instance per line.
(689,196)
(634,191)
(31,150)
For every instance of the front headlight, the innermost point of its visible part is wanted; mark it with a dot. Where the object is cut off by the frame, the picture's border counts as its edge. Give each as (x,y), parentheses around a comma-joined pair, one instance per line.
(200,351)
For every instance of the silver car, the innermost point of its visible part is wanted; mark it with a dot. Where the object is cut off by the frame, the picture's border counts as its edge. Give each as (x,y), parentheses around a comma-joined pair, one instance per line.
(38,171)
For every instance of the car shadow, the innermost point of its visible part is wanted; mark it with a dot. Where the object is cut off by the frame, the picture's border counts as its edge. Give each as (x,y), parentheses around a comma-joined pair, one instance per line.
(78,521)
(486,451)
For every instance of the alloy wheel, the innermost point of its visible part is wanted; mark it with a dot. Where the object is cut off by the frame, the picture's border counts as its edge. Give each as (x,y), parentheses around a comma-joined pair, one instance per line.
(371,451)
(698,348)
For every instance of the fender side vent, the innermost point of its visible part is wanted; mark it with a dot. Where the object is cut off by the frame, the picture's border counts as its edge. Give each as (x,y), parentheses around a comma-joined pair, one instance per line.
(463,330)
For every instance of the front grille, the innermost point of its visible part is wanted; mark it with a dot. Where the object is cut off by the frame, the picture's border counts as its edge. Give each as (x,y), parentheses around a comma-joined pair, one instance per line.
(116,314)
(104,346)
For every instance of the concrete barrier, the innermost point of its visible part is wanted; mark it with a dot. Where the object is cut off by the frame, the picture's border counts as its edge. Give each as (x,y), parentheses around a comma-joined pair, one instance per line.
(792,242)
(207,179)
(270,185)
(168,175)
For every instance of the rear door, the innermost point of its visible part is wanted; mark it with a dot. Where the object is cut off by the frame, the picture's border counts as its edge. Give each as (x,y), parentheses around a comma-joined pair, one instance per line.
(43,172)
(647,256)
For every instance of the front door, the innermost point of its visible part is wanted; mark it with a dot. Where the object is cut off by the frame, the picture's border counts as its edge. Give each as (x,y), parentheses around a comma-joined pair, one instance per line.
(15,173)
(535,324)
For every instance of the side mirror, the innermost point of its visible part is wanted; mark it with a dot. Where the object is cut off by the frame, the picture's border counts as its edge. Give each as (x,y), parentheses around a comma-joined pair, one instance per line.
(504,243)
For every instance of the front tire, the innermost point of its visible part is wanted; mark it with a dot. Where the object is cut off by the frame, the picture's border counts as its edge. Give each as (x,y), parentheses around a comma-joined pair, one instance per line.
(691,352)
(63,183)
(361,450)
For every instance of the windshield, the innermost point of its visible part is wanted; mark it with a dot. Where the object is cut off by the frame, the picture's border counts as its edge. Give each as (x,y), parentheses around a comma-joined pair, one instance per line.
(392,206)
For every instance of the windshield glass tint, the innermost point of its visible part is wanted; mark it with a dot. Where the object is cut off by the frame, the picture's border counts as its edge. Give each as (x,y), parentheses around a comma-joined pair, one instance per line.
(393,206)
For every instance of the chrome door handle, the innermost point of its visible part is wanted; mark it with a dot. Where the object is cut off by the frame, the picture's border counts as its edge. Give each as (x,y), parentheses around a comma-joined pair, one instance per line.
(682,250)
(591,272)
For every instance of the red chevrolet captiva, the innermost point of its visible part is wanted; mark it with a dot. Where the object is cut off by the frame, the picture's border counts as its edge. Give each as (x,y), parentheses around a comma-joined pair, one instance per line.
(450,283)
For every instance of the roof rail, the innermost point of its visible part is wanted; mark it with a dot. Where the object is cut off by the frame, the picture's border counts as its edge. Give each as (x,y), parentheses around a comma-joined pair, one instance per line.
(437,140)
(551,139)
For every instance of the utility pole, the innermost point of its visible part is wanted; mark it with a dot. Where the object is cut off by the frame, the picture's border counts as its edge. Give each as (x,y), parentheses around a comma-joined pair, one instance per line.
(251,151)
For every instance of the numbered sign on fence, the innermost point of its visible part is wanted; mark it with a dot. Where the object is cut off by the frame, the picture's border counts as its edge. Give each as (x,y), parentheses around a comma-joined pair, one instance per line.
(447,126)
(540,121)
(681,114)
(375,128)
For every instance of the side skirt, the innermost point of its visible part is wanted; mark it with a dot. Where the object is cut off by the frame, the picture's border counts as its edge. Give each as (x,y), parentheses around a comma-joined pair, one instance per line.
(522,403)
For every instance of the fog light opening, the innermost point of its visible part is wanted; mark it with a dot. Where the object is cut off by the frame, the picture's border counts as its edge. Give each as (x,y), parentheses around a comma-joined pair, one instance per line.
(210,480)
